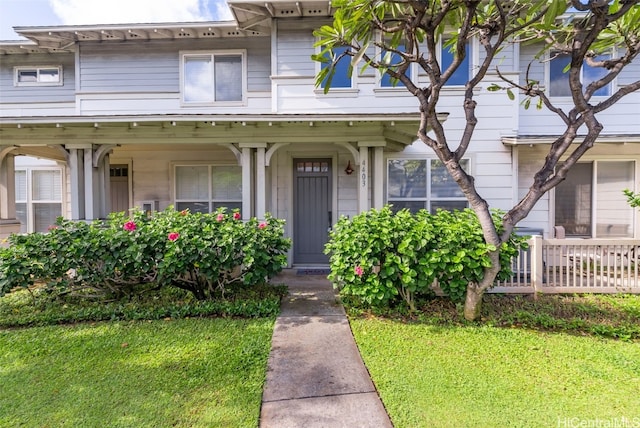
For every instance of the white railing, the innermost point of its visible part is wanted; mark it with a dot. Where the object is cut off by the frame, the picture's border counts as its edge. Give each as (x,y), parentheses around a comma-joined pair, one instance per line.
(575,266)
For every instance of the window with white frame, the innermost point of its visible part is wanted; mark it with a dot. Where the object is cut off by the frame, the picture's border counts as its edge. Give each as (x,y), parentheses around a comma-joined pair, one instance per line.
(559,76)
(418,184)
(38,198)
(205,188)
(341,78)
(461,76)
(213,77)
(393,59)
(37,76)
(590,202)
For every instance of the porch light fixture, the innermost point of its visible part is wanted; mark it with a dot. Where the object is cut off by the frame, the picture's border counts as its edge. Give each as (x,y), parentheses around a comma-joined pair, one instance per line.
(348,170)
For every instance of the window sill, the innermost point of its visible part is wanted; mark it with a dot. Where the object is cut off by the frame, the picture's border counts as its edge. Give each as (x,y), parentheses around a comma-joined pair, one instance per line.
(337,93)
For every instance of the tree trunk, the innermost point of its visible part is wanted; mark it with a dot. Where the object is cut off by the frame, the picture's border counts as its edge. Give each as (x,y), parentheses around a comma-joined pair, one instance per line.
(473,302)
(475,291)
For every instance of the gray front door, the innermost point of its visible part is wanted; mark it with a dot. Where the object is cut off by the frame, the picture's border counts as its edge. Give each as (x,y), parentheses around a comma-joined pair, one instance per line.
(312,210)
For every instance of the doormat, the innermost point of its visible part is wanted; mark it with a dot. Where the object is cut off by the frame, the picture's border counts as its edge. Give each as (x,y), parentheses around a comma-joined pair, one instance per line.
(313,271)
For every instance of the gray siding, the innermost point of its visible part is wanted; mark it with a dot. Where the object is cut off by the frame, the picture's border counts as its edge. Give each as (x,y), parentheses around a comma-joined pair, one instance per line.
(295,47)
(36,94)
(154,66)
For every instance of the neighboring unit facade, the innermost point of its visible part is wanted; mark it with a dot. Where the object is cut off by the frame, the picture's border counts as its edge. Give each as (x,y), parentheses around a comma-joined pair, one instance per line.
(204,115)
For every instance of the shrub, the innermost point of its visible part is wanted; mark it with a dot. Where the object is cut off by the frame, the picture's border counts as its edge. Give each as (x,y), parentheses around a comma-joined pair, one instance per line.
(202,253)
(380,257)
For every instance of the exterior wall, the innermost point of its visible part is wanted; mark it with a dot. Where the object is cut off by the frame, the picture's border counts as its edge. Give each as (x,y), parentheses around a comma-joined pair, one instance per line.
(37,100)
(152,167)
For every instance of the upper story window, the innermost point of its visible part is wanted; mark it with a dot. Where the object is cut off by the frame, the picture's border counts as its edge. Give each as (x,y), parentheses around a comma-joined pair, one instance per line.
(559,77)
(340,78)
(418,184)
(213,77)
(38,76)
(461,76)
(393,59)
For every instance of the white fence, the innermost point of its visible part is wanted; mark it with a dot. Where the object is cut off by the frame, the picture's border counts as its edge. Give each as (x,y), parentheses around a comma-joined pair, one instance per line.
(575,266)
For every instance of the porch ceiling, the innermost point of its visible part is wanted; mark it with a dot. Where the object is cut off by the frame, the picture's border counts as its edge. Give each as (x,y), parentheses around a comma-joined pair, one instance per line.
(392,131)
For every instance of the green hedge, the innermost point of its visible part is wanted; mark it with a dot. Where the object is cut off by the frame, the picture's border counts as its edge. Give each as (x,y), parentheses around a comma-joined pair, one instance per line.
(380,258)
(206,254)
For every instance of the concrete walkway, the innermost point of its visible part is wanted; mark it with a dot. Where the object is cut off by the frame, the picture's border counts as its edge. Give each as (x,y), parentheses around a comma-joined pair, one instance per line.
(315,375)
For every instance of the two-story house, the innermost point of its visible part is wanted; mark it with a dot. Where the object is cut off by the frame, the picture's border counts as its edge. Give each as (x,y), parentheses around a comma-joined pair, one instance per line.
(204,115)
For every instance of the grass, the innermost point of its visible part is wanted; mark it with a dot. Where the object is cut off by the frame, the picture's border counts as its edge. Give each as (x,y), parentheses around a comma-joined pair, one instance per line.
(179,373)
(529,363)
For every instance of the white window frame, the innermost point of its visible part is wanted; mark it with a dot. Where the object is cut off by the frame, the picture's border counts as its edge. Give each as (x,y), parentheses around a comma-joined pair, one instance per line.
(210,167)
(37,69)
(428,199)
(212,54)
(549,57)
(30,202)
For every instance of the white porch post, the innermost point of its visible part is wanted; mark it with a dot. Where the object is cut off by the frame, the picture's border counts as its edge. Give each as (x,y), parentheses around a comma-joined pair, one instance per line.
(246,182)
(90,186)
(8,222)
(7,187)
(363,179)
(261,183)
(378,177)
(76,173)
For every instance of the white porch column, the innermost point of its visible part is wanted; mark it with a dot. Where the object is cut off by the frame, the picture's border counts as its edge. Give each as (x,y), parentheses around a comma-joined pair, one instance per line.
(378,177)
(246,182)
(363,180)
(261,183)
(90,186)
(76,173)
(7,187)
(8,222)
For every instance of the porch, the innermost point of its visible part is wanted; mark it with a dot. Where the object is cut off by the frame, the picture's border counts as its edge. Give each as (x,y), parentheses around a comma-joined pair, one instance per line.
(575,266)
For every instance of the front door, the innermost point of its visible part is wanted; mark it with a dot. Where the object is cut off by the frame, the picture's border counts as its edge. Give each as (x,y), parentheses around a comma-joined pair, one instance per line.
(119,188)
(312,210)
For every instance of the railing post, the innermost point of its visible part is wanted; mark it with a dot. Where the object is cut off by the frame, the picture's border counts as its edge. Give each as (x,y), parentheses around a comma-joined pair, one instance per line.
(537,266)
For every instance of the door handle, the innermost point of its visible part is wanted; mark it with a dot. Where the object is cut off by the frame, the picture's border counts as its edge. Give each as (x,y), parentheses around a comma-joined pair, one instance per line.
(329,219)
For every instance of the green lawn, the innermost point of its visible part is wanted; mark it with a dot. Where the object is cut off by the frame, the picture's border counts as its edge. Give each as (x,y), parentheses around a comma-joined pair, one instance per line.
(167,373)
(481,376)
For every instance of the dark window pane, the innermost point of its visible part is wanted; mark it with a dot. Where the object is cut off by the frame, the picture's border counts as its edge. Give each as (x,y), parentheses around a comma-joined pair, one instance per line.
(194,207)
(407,178)
(413,206)
(558,79)
(394,60)
(461,75)
(45,215)
(442,184)
(228,77)
(448,205)
(573,201)
(341,78)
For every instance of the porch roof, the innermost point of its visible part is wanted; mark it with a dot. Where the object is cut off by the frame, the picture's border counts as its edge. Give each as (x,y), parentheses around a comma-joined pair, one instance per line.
(528,140)
(63,38)
(391,131)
